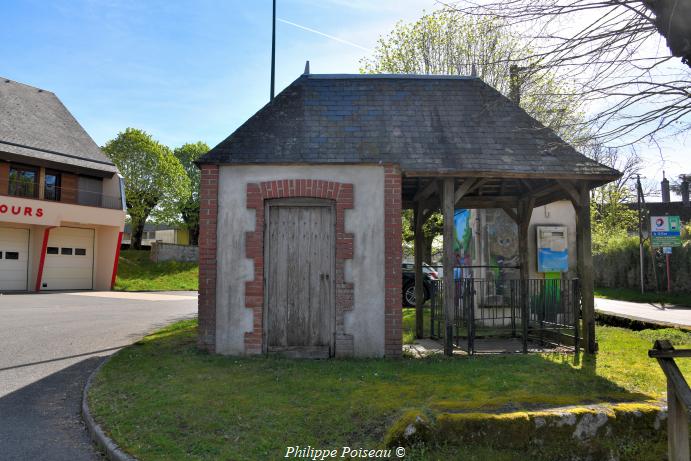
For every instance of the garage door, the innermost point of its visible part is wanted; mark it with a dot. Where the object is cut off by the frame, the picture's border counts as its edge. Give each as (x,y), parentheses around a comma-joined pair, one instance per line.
(14,259)
(69,263)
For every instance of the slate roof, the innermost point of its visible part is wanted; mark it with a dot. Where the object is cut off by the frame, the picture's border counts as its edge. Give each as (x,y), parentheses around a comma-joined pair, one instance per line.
(426,124)
(35,124)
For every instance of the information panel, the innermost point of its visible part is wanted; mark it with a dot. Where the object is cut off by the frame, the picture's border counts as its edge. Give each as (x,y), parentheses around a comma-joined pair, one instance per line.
(665,231)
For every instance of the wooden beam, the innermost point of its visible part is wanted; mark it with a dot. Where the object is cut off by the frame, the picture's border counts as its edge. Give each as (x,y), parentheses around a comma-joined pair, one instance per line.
(551,198)
(571,190)
(524,213)
(419,289)
(426,204)
(488,201)
(448,200)
(512,214)
(585,267)
(465,188)
(505,174)
(544,190)
(426,191)
(678,400)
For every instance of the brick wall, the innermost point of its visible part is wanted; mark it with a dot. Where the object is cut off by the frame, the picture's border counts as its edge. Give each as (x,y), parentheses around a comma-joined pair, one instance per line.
(208,212)
(342,194)
(392,237)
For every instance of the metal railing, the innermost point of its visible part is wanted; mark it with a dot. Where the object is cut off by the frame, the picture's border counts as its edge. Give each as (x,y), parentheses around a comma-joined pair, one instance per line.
(24,189)
(678,399)
(535,310)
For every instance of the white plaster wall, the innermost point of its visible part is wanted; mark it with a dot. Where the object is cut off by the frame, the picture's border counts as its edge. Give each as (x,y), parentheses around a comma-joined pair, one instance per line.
(366,270)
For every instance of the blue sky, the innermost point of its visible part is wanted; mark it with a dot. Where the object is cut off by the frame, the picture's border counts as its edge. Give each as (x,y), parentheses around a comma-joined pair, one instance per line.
(195,70)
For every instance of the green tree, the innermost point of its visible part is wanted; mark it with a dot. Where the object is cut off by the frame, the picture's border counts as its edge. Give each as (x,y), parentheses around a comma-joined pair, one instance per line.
(187,154)
(433,226)
(611,218)
(154,179)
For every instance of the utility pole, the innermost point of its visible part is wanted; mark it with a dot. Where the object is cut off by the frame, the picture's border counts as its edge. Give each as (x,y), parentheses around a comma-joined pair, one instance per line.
(639,197)
(273,51)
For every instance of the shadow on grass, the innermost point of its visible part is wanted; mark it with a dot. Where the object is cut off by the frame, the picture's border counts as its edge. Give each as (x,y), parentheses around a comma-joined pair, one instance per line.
(184,403)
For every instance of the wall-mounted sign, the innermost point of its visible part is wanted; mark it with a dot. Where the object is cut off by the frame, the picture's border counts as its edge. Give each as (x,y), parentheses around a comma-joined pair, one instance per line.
(19,210)
(552,249)
(665,231)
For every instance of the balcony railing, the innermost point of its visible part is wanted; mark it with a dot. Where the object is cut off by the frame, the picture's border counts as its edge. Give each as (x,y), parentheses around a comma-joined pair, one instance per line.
(67,195)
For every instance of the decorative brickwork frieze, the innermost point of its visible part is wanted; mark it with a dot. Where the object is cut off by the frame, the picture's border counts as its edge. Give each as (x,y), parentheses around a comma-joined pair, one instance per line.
(208,213)
(342,195)
(393,335)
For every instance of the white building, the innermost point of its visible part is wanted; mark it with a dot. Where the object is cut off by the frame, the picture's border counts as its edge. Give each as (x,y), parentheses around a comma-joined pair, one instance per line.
(61,199)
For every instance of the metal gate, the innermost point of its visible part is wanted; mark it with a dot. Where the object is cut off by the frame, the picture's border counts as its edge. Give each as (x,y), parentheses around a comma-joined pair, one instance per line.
(539,312)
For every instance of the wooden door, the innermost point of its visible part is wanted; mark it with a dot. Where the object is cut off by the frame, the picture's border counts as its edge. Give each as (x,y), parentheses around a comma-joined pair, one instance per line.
(299,276)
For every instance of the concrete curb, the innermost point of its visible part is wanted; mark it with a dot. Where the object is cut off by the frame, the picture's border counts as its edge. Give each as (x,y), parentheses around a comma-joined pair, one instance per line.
(105,443)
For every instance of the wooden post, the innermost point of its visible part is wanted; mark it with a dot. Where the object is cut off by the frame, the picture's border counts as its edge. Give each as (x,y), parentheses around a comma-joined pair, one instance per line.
(449,283)
(585,267)
(678,399)
(524,213)
(419,289)
(677,426)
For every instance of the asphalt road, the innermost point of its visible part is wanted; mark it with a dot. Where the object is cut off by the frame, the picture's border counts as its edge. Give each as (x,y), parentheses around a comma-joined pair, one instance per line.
(668,315)
(49,344)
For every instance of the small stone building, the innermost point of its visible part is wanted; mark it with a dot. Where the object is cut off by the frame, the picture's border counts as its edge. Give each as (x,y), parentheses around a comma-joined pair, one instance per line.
(300,237)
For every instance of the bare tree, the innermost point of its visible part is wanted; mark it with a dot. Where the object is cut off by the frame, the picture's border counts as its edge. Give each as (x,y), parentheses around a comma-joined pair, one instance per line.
(612,50)
(627,161)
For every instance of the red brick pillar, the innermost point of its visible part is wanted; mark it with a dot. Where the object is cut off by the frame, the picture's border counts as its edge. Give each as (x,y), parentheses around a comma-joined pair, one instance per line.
(208,212)
(393,335)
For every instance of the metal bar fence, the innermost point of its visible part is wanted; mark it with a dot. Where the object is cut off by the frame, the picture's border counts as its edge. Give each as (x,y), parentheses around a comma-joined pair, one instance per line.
(487,308)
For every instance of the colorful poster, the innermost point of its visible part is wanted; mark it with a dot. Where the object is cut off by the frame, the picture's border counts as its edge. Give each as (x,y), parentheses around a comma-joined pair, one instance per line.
(552,249)
(461,245)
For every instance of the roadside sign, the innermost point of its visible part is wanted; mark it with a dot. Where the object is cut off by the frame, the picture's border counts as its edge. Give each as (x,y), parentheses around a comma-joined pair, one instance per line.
(667,250)
(665,231)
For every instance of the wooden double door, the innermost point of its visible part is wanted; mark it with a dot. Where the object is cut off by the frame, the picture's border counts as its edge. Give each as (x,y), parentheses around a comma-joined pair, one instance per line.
(299,278)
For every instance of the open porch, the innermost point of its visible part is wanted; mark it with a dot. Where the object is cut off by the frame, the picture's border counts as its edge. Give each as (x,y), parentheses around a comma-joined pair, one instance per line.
(530,310)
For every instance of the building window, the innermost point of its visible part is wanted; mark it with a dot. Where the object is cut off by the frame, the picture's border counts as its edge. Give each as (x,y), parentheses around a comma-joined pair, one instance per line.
(80,251)
(66,251)
(11,255)
(51,189)
(52,250)
(23,181)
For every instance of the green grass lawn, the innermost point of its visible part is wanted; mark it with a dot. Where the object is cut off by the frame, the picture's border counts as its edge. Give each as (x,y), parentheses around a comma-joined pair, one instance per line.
(629,294)
(162,399)
(409,324)
(137,273)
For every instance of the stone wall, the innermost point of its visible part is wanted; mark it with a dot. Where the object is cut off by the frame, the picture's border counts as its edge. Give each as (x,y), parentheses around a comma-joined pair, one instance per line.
(619,268)
(172,252)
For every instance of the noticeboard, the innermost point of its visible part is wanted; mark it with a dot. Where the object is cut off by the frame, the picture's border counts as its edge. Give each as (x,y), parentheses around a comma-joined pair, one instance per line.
(665,231)
(552,249)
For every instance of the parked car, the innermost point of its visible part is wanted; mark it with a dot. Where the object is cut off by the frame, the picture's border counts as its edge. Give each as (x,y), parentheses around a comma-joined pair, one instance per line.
(429,274)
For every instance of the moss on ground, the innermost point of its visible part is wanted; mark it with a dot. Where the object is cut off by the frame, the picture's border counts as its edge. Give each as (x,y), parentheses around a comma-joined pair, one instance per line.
(621,431)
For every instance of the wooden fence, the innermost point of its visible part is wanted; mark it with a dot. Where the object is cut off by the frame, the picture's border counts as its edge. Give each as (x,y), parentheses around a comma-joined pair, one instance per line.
(678,399)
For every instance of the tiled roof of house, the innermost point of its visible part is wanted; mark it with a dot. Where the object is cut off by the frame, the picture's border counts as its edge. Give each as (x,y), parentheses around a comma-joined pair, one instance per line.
(426,124)
(34,123)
